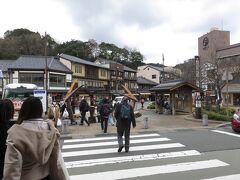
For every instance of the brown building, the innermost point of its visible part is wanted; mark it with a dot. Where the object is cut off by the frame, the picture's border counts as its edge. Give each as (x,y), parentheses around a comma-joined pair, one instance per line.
(209,43)
(216,53)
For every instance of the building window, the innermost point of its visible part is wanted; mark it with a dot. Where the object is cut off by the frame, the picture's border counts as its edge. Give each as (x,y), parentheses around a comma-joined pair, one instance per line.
(103,72)
(34,78)
(57,80)
(78,68)
(154,76)
(91,72)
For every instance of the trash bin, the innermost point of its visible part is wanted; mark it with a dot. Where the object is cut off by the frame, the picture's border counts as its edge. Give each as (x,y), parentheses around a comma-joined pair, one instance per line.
(205,120)
(145,122)
(65,126)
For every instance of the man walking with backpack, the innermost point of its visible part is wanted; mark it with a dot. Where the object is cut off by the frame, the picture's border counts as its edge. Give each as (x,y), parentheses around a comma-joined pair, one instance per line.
(105,110)
(125,117)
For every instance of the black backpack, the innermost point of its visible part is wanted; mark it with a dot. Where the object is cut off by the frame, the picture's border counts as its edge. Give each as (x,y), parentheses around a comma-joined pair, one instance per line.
(105,109)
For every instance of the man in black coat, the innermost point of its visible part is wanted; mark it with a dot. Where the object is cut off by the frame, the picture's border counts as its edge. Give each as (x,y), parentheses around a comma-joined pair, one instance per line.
(124,123)
(84,107)
(105,108)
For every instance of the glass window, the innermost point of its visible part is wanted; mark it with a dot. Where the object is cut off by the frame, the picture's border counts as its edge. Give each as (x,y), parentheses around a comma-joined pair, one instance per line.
(34,78)
(103,72)
(57,80)
(154,76)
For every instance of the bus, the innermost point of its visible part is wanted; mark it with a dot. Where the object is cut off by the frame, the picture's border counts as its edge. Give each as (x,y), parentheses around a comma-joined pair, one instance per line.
(18,92)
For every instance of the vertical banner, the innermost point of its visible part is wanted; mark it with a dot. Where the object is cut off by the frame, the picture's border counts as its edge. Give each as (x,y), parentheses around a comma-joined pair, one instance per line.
(41,94)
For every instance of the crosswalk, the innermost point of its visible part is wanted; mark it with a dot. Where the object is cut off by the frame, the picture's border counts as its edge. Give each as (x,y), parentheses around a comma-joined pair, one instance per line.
(97,158)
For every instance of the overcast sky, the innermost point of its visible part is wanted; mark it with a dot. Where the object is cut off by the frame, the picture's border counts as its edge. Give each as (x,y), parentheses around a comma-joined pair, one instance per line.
(154,27)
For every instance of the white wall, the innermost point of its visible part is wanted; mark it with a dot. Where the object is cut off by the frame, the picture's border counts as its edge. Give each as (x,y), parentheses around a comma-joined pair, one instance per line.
(148,72)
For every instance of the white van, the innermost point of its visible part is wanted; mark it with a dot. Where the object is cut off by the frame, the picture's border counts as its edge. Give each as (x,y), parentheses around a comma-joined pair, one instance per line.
(117,100)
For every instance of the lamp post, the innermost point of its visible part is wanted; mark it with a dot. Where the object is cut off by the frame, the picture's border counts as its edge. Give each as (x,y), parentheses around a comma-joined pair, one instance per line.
(198,102)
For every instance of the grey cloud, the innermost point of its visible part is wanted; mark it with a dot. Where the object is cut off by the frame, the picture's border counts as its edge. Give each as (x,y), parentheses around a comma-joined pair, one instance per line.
(96,18)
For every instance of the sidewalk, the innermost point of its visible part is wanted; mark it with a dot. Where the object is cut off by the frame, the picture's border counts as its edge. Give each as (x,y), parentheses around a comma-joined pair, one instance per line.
(156,122)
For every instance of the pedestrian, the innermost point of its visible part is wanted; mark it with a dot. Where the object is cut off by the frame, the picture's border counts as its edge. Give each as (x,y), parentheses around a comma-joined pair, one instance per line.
(142,102)
(10,113)
(54,113)
(105,108)
(6,114)
(125,117)
(84,107)
(73,105)
(33,150)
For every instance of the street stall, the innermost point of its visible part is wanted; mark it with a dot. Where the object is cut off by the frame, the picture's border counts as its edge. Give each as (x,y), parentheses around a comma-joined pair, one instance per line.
(174,96)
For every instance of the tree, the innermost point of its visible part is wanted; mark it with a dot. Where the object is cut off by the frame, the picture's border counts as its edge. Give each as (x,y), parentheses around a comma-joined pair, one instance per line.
(188,70)
(25,42)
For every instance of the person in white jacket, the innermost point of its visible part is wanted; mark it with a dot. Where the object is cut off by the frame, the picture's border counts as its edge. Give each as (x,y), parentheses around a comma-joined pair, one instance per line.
(33,150)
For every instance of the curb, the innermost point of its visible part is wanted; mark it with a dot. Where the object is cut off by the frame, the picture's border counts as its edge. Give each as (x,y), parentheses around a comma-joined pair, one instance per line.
(222,123)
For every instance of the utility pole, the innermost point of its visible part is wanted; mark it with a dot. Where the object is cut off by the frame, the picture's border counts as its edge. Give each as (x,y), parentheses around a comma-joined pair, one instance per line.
(46,70)
(163,76)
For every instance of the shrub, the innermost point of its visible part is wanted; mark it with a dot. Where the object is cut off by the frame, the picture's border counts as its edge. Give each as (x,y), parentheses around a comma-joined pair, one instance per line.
(217,116)
(151,105)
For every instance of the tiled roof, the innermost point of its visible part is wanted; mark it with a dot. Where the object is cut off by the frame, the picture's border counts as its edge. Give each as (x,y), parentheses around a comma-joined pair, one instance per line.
(31,62)
(79,60)
(129,69)
(5,64)
(231,88)
(142,80)
(107,61)
(171,85)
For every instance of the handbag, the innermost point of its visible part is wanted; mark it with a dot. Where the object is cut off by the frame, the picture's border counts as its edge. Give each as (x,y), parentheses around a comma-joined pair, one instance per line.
(65,114)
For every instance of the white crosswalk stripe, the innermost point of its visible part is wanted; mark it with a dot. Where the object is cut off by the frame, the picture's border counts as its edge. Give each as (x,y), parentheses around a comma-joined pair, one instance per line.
(147,171)
(91,152)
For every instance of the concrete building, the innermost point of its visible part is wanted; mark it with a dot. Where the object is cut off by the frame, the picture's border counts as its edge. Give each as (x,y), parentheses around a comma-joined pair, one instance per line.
(216,54)
(157,74)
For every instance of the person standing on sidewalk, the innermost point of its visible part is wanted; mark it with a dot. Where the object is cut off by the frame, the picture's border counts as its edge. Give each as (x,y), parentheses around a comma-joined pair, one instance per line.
(105,109)
(142,102)
(84,107)
(125,117)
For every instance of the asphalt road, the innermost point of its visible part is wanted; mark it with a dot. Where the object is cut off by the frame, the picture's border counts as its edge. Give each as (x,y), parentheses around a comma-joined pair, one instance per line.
(178,154)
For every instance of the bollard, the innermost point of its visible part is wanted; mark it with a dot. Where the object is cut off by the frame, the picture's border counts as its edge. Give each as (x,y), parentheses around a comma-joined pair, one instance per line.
(145,121)
(205,120)
(65,126)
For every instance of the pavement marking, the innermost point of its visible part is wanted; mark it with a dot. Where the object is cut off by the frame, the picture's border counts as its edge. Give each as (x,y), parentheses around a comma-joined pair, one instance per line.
(136,141)
(144,157)
(230,177)
(114,150)
(107,138)
(227,133)
(148,171)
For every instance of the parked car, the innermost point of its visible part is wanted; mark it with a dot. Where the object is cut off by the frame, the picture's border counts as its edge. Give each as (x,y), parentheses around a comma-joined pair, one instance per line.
(236,122)
(117,100)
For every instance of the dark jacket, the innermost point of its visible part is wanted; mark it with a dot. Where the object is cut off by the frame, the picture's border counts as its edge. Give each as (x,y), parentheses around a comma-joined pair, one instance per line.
(3,136)
(84,107)
(101,104)
(124,123)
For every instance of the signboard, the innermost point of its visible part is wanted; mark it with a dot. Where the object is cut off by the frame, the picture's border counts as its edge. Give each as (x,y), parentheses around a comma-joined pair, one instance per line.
(41,94)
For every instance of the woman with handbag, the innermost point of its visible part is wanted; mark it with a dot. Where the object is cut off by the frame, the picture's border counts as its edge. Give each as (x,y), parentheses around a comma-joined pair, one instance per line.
(33,150)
